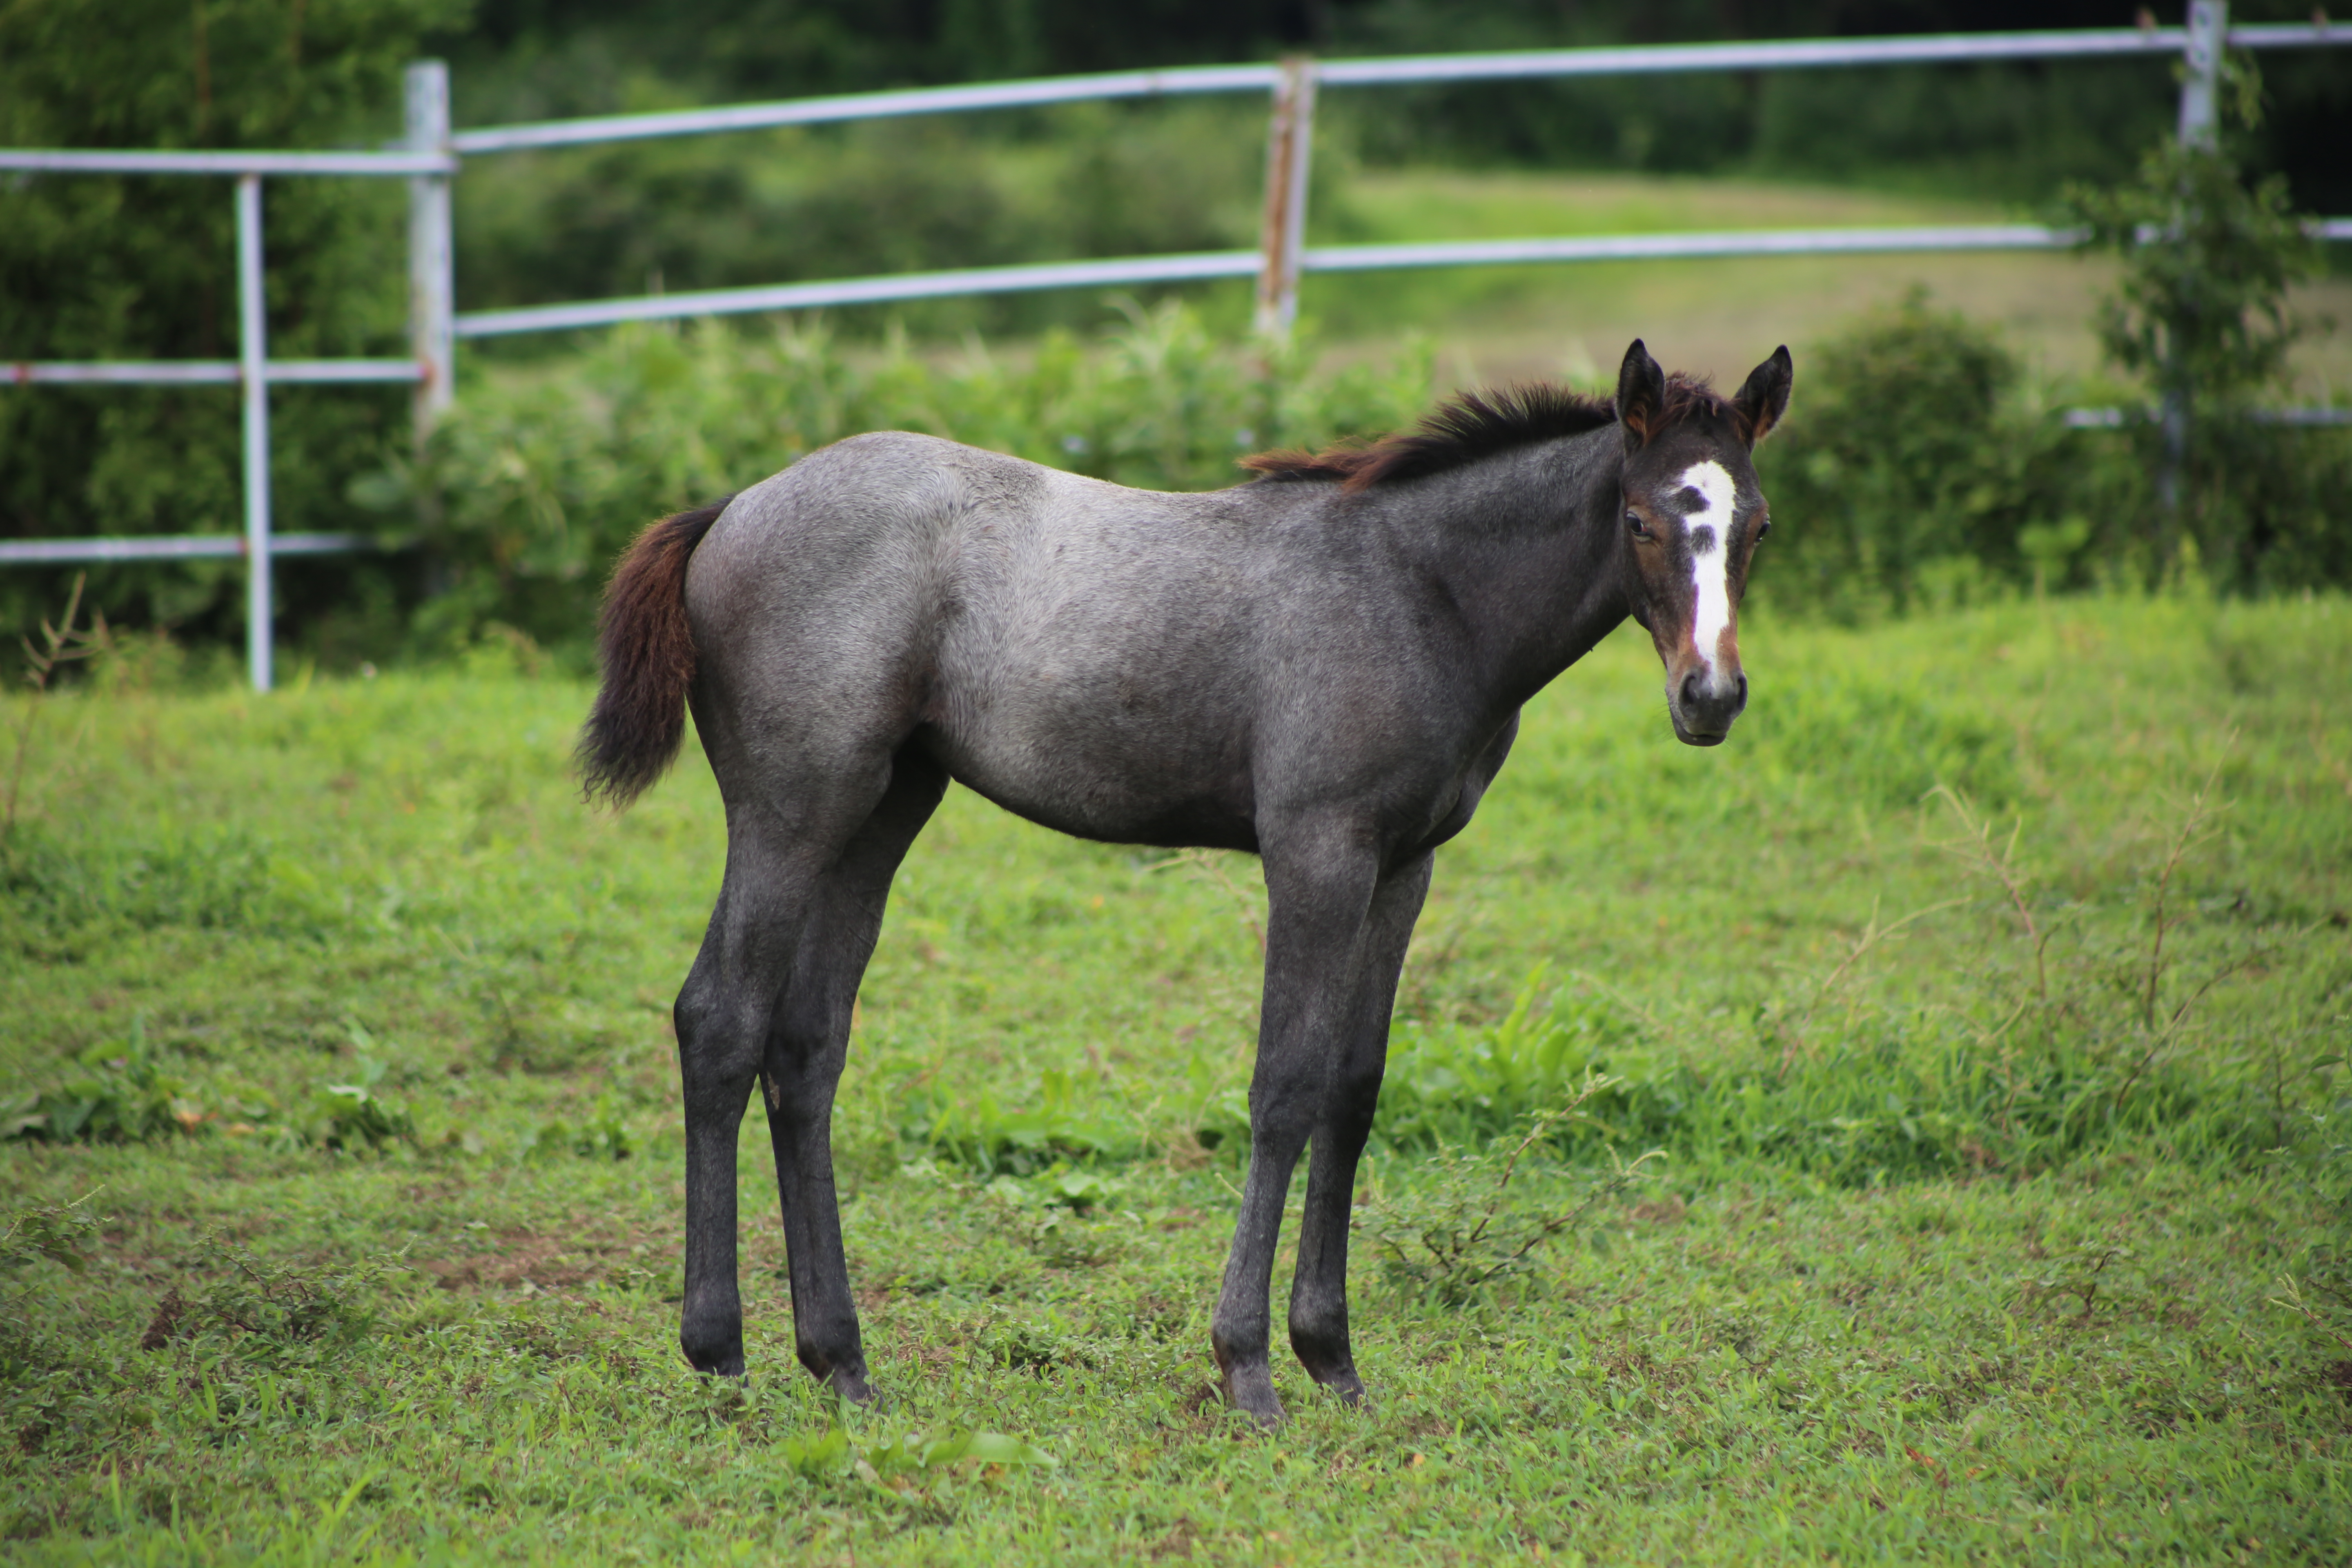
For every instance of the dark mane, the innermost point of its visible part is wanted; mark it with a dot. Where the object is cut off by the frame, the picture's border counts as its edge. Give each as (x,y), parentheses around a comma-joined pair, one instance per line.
(1475,425)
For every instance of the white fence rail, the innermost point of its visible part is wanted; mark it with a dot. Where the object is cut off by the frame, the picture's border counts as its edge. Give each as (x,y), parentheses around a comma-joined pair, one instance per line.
(430,155)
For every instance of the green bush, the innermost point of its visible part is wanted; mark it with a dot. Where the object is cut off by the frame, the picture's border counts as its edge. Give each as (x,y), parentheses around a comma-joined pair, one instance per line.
(984,1135)
(118,1096)
(602,1135)
(1917,465)
(1922,466)
(1883,1095)
(2203,317)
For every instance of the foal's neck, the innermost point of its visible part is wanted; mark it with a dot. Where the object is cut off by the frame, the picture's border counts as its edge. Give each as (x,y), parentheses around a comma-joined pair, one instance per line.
(1526,543)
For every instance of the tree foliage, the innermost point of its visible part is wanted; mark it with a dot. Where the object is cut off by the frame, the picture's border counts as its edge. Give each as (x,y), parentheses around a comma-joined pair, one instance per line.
(144,267)
(2208,258)
(2201,316)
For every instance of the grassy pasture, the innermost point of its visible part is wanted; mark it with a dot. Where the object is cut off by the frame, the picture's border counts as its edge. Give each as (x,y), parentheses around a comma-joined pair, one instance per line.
(1949,1256)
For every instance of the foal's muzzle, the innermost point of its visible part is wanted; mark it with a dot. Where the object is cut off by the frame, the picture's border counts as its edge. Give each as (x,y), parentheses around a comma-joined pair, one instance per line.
(1704,703)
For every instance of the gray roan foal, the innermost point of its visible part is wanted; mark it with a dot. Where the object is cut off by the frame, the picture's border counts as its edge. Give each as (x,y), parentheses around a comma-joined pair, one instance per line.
(1323,666)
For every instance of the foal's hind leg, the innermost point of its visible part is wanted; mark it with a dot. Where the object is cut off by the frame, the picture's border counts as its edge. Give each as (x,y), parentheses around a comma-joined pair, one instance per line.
(806,1048)
(1319,1290)
(778,849)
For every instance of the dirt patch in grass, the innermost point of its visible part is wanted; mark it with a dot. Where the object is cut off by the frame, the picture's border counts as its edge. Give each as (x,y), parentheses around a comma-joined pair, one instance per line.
(547,1261)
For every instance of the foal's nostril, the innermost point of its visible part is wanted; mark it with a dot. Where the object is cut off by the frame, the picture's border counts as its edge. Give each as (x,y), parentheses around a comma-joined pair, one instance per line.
(1691,694)
(1739,703)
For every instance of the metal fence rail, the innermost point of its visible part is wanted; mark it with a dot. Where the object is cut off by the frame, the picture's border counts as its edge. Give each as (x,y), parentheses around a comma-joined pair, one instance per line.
(1796,54)
(175,547)
(429,156)
(206,372)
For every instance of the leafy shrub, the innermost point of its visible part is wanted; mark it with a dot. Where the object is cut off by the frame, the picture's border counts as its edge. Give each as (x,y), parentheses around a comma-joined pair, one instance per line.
(1462,1086)
(118,1098)
(58,1232)
(139,268)
(1884,1097)
(986,1137)
(2203,317)
(1458,1229)
(599,1135)
(1913,460)
(271,1312)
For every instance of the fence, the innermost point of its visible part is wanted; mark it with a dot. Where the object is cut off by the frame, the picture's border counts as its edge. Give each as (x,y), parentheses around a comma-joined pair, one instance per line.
(429,157)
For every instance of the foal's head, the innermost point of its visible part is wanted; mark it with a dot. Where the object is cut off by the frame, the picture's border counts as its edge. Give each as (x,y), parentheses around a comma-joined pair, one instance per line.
(1691,514)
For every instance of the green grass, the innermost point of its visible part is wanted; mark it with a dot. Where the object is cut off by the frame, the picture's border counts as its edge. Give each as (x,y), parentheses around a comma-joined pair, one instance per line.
(1939,1263)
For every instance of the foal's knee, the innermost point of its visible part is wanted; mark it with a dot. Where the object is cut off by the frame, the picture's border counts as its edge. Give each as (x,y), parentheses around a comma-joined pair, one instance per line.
(718,1047)
(1283,1112)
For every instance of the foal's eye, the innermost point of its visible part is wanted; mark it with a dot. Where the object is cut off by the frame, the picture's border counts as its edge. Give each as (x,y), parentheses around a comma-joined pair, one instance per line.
(1762,528)
(1634,521)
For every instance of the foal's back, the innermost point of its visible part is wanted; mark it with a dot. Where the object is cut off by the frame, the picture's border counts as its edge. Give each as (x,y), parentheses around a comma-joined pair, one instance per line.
(1092,657)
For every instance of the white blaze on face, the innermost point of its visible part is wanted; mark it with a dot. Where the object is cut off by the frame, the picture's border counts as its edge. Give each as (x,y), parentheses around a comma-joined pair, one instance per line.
(1708,528)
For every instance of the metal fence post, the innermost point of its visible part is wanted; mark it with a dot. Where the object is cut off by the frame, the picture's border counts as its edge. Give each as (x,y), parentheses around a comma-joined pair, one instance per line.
(253,372)
(1290,154)
(2206,35)
(432,261)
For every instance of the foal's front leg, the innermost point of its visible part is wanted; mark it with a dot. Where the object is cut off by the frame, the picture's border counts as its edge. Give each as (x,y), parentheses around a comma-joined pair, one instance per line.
(1319,887)
(1318,1292)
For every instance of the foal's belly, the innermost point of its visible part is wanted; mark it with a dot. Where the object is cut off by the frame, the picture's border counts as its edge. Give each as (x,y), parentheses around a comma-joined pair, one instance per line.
(1100,789)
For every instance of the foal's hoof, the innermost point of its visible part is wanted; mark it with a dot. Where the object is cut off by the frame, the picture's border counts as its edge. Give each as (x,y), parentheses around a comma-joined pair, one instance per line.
(715,1361)
(851,1388)
(1251,1389)
(1345,1386)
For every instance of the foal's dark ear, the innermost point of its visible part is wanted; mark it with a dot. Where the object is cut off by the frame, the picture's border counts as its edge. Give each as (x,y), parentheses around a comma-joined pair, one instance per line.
(1766,396)
(1641,395)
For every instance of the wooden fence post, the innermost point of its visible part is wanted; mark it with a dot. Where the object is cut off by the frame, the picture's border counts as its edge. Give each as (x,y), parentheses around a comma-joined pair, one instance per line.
(1290,154)
(431,263)
(2209,31)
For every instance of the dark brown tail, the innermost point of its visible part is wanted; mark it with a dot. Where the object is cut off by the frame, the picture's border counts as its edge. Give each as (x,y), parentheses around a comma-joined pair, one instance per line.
(647,651)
